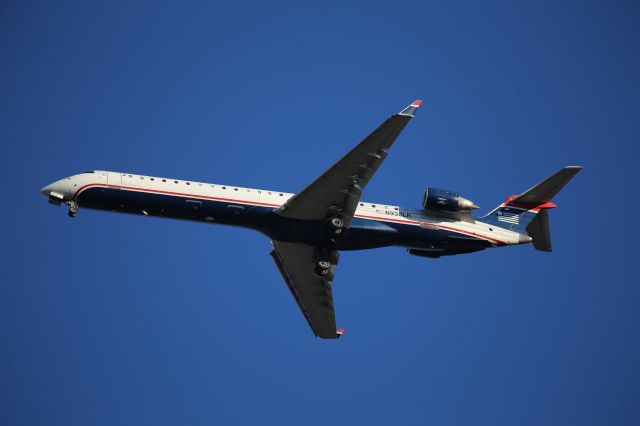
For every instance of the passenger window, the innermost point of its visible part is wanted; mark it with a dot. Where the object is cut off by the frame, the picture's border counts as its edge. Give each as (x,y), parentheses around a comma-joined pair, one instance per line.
(175,181)
(235,189)
(188,183)
(164,180)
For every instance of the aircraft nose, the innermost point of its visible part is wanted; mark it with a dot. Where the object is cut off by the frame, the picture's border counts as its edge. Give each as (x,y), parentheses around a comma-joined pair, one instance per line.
(46,191)
(57,191)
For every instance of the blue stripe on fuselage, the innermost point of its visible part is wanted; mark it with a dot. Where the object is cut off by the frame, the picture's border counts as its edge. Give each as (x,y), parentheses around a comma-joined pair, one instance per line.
(363,234)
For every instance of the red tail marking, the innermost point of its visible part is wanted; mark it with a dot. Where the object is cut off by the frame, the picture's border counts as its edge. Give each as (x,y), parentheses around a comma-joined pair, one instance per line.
(529,206)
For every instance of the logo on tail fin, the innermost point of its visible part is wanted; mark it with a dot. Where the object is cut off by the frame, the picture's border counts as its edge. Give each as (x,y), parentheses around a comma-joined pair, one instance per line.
(509,215)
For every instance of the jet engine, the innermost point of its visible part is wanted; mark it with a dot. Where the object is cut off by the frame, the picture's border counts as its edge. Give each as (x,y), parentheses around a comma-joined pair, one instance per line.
(441,200)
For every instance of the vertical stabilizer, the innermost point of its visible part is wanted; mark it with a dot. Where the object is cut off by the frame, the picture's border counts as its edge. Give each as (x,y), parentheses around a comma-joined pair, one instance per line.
(539,231)
(527,213)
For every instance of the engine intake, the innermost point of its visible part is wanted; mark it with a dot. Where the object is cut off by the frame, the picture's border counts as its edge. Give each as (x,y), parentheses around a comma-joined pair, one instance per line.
(441,200)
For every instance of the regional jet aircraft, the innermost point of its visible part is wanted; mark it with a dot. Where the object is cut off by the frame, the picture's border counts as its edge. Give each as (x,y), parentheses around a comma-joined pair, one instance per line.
(308,229)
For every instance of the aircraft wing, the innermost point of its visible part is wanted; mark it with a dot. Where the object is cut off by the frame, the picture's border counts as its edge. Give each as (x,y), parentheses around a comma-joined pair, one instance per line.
(312,291)
(338,190)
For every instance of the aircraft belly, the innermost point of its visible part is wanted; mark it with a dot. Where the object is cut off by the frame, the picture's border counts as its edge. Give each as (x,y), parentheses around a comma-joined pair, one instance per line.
(160,205)
(363,233)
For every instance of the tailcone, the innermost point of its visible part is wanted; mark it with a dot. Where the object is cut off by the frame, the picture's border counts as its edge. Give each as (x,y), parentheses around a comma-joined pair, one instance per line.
(524,239)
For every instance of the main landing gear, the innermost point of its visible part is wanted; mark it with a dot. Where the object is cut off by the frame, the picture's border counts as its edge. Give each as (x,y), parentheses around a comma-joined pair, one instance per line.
(337,225)
(323,267)
(73,208)
(326,259)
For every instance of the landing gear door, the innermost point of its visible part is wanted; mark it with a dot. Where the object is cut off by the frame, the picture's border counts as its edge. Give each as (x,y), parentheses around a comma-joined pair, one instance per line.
(114,179)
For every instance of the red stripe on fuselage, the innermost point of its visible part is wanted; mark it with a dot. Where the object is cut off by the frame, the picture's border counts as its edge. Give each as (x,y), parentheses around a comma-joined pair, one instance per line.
(388,219)
(182,194)
(435,225)
(205,197)
(472,234)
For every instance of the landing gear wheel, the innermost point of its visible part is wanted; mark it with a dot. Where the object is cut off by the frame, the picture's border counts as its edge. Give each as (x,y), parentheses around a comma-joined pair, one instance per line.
(73,208)
(337,222)
(324,264)
(336,225)
(322,267)
(323,271)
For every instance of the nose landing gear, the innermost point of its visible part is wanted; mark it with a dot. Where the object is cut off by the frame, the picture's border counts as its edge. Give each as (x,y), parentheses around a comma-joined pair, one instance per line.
(73,208)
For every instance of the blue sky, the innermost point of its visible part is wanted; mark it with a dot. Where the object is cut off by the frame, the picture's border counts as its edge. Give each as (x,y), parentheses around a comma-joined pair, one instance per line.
(113,319)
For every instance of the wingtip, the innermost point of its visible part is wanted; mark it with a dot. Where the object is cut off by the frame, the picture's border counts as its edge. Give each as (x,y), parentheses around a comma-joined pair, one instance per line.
(410,111)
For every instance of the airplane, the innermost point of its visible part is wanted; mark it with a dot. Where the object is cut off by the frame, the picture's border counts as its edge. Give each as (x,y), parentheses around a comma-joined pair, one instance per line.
(309,229)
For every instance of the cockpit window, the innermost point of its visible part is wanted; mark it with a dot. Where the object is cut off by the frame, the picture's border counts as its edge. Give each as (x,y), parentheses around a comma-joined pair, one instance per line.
(90,171)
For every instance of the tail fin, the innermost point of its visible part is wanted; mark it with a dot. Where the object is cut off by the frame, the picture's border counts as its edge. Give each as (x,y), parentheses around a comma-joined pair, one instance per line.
(527,213)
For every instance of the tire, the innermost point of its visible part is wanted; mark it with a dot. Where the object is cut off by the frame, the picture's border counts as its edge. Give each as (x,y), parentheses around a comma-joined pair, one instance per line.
(324,264)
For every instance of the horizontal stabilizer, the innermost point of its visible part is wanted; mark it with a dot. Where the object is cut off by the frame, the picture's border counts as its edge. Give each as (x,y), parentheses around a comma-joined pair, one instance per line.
(544,191)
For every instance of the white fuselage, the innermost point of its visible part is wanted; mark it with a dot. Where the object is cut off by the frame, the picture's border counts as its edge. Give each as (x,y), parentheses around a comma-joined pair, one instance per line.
(71,190)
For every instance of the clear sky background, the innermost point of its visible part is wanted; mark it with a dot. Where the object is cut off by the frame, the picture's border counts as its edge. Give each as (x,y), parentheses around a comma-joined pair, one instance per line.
(114,319)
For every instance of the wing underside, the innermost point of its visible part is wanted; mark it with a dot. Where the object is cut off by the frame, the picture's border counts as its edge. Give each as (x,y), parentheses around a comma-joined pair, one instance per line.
(311,290)
(333,197)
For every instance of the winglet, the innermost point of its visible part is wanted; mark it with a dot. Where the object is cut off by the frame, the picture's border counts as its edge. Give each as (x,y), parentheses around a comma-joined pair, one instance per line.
(410,111)
(339,332)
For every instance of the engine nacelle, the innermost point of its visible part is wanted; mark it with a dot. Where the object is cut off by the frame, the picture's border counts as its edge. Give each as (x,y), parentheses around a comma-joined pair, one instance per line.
(441,200)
